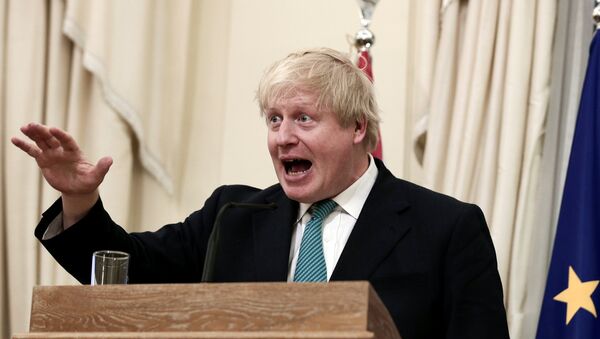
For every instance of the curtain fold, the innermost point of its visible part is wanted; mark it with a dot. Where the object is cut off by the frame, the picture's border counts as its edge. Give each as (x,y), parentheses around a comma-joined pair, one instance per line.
(4,290)
(485,123)
(524,279)
(24,53)
(422,44)
(572,34)
(122,44)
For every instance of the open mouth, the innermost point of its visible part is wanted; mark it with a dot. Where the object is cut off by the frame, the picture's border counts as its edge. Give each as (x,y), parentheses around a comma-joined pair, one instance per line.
(296,166)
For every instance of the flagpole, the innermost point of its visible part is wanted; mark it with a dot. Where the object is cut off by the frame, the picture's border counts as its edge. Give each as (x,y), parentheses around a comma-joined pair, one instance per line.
(363,40)
(596,14)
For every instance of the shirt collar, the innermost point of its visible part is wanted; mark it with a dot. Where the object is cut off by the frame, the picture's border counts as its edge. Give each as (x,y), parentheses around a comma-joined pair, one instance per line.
(353,198)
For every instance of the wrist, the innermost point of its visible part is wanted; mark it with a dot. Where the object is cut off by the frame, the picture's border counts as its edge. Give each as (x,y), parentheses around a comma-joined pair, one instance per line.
(77,206)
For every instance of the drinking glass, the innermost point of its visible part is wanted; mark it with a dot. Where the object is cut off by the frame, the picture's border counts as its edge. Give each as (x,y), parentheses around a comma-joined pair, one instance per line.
(109,267)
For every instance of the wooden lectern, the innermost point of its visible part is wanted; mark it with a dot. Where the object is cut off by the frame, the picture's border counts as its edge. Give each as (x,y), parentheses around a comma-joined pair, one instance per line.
(229,310)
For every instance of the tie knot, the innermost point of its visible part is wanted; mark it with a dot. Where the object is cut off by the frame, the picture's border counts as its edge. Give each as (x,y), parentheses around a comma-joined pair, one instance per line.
(322,208)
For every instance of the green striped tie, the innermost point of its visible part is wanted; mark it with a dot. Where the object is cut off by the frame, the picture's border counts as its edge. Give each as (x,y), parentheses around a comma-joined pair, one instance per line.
(311,261)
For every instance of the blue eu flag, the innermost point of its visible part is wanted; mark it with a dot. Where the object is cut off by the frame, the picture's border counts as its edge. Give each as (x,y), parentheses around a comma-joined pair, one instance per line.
(572,297)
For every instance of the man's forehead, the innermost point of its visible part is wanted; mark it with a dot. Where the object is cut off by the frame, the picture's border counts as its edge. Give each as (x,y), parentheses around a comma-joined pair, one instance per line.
(293,96)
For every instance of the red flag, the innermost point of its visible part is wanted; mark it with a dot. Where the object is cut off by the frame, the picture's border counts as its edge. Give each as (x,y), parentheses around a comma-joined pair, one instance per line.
(364,63)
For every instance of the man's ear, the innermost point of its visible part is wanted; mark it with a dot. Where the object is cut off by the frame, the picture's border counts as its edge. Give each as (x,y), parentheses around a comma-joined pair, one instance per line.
(360,130)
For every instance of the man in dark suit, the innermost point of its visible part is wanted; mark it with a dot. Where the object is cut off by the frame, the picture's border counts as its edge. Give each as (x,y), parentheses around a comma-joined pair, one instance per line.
(341,215)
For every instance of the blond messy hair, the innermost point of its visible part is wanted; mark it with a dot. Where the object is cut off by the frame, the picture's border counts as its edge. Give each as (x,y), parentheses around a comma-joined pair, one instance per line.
(341,87)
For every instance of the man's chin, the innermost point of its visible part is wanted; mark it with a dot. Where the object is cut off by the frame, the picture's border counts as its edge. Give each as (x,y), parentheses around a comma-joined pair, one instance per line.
(299,195)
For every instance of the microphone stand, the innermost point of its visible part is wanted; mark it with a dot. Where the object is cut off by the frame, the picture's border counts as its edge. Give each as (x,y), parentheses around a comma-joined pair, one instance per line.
(213,240)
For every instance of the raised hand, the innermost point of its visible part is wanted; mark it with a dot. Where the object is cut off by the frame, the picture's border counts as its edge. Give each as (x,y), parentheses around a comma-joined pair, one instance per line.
(65,168)
(61,161)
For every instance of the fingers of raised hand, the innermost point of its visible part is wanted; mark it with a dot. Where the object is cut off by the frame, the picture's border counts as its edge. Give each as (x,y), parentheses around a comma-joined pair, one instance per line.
(49,138)
(40,135)
(26,147)
(64,139)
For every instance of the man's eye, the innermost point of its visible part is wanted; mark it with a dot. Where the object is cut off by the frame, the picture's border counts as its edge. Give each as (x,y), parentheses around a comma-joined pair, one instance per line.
(274,119)
(304,118)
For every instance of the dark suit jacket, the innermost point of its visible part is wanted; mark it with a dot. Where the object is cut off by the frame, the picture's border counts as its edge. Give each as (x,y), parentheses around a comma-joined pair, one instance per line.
(429,257)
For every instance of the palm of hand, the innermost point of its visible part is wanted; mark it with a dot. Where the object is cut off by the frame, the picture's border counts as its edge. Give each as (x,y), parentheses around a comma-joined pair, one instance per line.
(68,171)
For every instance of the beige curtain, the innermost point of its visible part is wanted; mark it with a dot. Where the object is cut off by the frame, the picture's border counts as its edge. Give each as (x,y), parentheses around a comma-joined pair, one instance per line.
(481,128)
(4,315)
(82,66)
(159,68)
(29,26)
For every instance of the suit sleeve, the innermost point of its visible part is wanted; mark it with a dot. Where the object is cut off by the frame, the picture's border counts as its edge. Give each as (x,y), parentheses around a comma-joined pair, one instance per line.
(174,253)
(473,298)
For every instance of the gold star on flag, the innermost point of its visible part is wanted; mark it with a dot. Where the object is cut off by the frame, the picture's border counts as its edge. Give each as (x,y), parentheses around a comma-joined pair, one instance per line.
(578,295)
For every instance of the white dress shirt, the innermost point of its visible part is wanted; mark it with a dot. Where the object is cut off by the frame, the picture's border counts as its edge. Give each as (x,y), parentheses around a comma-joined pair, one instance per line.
(338,225)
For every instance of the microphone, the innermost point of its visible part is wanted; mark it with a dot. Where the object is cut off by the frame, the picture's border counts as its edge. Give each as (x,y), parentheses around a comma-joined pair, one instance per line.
(213,240)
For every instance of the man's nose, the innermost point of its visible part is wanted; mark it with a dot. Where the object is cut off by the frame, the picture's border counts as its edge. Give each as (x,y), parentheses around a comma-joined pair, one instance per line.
(286,135)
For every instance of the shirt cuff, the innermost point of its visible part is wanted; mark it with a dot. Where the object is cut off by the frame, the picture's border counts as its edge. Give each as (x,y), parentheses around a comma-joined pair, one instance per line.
(54,228)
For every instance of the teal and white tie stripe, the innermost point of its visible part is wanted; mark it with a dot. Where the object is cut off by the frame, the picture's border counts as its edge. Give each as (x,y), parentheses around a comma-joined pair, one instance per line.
(311,261)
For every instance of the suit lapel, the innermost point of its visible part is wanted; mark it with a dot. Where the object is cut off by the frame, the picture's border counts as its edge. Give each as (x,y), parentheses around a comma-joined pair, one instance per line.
(377,231)
(379,228)
(272,238)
